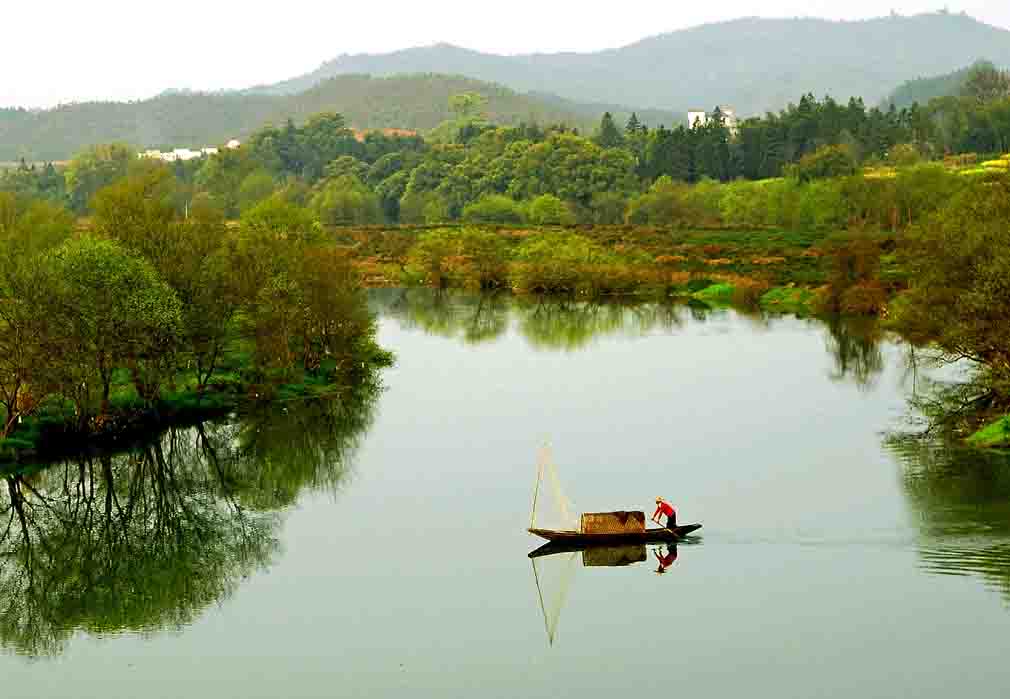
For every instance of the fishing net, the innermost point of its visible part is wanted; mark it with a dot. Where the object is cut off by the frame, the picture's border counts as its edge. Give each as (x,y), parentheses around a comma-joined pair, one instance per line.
(551,509)
(554,576)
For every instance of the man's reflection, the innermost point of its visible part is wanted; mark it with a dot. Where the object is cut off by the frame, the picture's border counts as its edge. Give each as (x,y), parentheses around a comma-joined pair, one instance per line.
(665,561)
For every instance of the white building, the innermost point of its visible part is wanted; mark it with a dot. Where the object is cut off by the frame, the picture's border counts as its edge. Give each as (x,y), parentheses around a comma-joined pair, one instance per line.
(697,118)
(184,154)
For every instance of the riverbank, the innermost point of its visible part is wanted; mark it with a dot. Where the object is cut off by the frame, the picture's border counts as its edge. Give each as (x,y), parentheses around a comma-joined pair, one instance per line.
(53,431)
(993,435)
(789,271)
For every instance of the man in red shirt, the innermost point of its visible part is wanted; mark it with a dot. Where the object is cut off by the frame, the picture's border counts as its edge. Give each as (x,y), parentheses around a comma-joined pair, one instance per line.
(665,508)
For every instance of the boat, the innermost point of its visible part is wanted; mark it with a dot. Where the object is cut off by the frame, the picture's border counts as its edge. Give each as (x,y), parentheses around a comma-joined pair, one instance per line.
(592,529)
(585,540)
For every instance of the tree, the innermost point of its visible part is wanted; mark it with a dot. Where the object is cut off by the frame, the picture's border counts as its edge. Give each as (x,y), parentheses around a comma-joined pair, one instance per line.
(548,210)
(826,162)
(93,169)
(280,217)
(467,105)
(959,266)
(26,231)
(137,211)
(494,208)
(607,134)
(986,84)
(109,309)
(346,201)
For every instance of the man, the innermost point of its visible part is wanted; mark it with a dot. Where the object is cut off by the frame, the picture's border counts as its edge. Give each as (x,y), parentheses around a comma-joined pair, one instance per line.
(665,508)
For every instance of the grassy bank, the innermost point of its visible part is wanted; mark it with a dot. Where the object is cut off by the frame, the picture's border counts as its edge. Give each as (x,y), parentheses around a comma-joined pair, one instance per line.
(789,271)
(53,430)
(995,434)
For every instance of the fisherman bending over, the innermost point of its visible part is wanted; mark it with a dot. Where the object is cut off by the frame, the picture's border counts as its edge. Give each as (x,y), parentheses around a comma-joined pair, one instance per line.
(665,508)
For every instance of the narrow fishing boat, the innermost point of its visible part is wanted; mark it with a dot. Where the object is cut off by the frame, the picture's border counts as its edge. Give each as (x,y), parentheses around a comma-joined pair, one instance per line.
(598,538)
(596,528)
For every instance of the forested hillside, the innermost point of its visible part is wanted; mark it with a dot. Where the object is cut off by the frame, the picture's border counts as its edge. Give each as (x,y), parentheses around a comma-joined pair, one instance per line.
(922,90)
(194,119)
(755,65)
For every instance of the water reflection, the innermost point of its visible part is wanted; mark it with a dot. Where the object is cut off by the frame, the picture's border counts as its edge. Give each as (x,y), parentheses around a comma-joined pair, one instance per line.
(854,345)
(547,323)
(555,565)
(149,539)
(560,324)
(961,498)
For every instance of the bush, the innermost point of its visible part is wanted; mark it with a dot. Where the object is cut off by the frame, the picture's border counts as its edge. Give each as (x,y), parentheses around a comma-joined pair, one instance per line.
(748,292)
(548,210)
(867,298)
(826,162)
(346,201)
(494,208)
(607,208)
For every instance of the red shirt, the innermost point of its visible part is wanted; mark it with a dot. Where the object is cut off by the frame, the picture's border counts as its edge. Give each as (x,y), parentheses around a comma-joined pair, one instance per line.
(664,508)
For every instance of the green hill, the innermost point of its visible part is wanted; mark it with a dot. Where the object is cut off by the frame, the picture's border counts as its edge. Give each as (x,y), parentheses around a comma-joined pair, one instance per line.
(187,119)
(922,90)
(752,64)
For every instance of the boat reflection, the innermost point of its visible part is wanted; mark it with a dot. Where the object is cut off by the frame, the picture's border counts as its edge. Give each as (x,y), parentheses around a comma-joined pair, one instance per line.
(555,565)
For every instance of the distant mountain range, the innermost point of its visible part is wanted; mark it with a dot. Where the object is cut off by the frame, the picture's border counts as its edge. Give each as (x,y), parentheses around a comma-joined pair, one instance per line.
(753,65)
(179,118)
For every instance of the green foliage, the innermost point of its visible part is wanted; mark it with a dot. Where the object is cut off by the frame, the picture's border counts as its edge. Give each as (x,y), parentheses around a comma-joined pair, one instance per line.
(346,201)
(994,434)
(94,168)
(548,210)
(959,266)
(494,208)
(607,134)
(279,216)
(106,309)
(826,162)
(924,90)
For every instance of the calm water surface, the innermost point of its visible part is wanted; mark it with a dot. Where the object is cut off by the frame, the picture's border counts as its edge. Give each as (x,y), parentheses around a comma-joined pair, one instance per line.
(379,548)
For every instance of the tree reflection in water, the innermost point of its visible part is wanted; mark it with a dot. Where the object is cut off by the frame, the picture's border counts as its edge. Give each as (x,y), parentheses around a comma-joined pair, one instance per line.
(548,323)
(147,540)
(962,501)
(854,345)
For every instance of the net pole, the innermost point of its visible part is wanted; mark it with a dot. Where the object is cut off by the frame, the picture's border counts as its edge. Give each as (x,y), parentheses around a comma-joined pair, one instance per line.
(536,491)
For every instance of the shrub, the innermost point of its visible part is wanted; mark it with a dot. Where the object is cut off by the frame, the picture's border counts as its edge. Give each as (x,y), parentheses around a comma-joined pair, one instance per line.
(867,298)
(346,201)
(494,208)
(826,162)
(548,210)
(748,292)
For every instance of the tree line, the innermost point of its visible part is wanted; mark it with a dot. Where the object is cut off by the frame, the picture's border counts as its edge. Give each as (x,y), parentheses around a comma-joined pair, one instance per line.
(475,171)
(149,311)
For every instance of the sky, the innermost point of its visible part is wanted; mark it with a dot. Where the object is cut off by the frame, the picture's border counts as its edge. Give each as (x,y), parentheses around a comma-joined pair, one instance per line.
(70,51)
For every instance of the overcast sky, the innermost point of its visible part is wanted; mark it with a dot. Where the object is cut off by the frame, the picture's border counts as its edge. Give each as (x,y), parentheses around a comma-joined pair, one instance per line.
(74,50)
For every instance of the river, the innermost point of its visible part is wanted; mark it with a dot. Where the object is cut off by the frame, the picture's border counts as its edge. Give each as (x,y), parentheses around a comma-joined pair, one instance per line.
(378,547)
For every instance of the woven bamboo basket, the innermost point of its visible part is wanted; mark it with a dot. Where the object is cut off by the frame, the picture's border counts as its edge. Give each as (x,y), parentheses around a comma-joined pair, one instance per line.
(613,523)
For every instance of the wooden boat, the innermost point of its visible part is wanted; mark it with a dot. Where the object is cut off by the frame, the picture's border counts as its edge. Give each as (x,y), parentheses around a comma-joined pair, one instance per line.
(575,538)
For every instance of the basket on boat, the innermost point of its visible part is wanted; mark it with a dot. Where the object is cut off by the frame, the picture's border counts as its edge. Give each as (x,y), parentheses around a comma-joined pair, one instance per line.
(613,523)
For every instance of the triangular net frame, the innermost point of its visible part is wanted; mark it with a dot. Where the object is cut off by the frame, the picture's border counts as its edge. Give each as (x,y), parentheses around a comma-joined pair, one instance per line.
(551,509)
(554,576)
